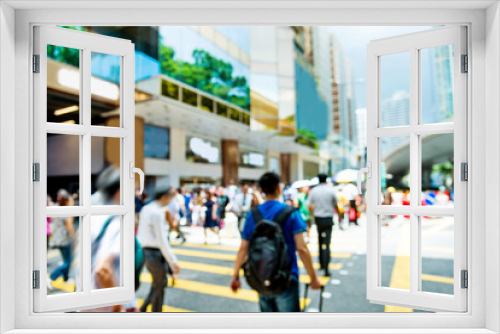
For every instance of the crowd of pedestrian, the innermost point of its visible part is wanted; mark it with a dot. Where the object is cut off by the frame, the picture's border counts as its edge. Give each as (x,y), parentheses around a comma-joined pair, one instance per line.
(172,211)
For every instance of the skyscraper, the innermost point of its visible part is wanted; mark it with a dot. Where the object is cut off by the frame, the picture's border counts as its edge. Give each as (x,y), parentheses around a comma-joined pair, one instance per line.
(344,130)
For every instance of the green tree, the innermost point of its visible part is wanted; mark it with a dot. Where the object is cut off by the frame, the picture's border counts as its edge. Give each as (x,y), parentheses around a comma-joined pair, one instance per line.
(207,73)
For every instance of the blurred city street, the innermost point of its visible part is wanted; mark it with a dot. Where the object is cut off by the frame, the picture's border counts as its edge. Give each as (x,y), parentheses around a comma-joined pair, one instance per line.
(203,284)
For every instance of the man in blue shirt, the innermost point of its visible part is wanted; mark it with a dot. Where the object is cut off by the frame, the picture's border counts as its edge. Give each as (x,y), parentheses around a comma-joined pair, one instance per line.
(293,231)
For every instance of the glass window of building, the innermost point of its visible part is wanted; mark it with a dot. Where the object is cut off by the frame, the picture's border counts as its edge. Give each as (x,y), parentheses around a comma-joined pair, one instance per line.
(200,59)
(156,142)
(201,150)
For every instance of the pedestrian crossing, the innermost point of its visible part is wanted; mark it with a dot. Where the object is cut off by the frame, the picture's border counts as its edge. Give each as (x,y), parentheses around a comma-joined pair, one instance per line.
(206,270)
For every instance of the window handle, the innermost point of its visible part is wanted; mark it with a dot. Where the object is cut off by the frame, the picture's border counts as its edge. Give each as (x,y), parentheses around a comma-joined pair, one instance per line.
(141,175)
(368,171)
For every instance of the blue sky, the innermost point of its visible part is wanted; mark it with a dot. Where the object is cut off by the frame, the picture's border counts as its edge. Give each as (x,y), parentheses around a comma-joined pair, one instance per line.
(354,40)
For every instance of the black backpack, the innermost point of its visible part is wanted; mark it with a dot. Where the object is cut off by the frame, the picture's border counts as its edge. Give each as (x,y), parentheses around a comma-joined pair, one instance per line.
(268,269)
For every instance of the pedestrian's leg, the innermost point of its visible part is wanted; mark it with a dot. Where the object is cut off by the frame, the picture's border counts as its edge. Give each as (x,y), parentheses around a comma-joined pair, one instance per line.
(159,284)
(328,240)
(267,304)
(321,242)
(61,269)
(205,233)
(149,262)
(147,301)
(353,206)
(154,265)
(289,300)
(66,253)
(216,231)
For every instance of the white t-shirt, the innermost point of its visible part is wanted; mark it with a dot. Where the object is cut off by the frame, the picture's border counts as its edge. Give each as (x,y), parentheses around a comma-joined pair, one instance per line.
(151,231)
(350,191)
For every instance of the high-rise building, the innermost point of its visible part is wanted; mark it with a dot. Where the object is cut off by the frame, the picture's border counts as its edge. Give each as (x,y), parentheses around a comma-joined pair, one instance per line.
(312,79)
(213,105)
(344,130)
(361,128)
(395,111)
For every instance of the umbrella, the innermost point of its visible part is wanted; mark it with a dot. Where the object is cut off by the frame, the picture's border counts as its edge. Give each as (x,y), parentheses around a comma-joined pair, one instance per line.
(346,176)
(301,183)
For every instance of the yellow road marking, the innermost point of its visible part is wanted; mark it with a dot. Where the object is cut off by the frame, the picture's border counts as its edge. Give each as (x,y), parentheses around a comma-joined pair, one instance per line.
(212,289)
(438,279)
(207,268)
(165,308)
(400,277)
(332,266)
(221,270)
(209,246)
(204,254)
(306,279)
(206,288)
(231,248)
(64,286)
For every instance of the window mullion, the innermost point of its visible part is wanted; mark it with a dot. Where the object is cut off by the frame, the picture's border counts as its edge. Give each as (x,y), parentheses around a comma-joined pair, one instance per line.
(414,169)
(85,175)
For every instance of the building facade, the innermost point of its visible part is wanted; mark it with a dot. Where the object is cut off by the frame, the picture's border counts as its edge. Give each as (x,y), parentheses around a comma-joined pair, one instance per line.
(214,105)
(344,117)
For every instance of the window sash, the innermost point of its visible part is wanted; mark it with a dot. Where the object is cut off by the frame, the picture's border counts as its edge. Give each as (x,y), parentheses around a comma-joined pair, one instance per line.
(414,298)
(86,43)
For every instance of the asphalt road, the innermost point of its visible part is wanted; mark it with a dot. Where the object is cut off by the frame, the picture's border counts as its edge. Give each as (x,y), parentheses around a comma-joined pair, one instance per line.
(203,285)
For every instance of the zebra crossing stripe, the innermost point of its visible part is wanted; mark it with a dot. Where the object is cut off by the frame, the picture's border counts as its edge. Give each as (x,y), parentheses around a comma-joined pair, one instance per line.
(165,308)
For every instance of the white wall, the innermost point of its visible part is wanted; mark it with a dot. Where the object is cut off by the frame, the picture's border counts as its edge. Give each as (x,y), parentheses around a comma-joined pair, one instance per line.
(492,186)
(7,168)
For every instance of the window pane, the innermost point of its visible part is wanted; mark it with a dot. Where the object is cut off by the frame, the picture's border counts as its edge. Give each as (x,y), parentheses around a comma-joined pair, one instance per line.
(106,171)
(395,252)
(106,249)
(234,114)
(222,110)
(395,170)
(63,85)
(437,84)
(189,97)
(207,104)
(62,254)
(395,89)
(437,249)
(105,89)
(437,170)
(200,150)
(156,142)
(63,170)
(169,89)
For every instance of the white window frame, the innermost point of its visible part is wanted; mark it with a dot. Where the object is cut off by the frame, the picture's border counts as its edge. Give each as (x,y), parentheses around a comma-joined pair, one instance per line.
(412,44)
(87,43)
(483,101)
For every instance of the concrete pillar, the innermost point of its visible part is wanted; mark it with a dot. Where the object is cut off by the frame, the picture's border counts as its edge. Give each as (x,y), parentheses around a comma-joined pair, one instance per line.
(285,168)
(230,161)
(112,145)
(177,155)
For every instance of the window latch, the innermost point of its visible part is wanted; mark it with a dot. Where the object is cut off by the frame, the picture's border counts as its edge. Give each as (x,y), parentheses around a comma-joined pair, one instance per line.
(139,171)
(368,171)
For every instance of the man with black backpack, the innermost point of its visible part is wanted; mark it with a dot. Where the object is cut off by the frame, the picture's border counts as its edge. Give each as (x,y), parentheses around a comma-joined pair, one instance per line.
(272,234)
